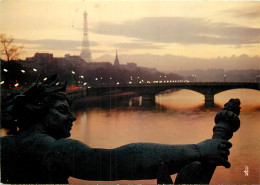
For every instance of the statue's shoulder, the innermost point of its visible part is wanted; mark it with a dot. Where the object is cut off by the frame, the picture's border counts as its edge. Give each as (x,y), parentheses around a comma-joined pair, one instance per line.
(7,140)
(7,144)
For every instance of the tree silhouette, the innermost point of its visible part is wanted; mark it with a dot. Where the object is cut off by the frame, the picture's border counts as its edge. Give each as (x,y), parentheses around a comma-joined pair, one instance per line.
(9,52)
(8,49)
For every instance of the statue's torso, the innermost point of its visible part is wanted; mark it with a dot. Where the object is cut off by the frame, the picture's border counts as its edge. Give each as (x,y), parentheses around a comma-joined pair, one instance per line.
(30,159)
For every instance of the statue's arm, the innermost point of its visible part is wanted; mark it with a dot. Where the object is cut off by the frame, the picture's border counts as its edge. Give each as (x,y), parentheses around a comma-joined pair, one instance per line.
(130,162)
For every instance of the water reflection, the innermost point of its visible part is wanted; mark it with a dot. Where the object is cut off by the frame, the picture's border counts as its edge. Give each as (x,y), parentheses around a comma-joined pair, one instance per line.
(176,118)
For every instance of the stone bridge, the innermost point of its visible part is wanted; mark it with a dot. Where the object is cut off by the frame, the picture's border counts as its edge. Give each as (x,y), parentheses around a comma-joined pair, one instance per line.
(208,89)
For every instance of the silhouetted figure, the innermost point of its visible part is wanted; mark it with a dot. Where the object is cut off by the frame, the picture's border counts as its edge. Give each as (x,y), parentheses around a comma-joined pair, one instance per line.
(38,150)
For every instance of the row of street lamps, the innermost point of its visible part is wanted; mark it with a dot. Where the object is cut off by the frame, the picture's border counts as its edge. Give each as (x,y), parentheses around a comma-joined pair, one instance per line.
(16,84)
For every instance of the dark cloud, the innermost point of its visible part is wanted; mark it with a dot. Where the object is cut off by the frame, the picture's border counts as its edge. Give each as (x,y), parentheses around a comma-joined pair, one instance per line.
(181,30)
(50,44)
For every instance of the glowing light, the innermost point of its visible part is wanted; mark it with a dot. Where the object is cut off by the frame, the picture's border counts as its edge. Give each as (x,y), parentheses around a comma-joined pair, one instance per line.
(73,72)
(2,82)
(35,70)
(5,70)
(57,83)
(110,78)
(89,87)
(130,82)
(23,71)
(117,83)
(85,83)
(44,79)
(96,78)
(16,84)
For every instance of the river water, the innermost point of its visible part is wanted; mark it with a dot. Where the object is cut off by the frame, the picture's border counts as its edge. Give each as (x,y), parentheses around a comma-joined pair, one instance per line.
(177,118)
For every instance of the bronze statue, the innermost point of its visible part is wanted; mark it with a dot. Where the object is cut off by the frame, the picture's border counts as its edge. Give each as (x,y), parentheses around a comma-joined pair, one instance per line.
(39,151)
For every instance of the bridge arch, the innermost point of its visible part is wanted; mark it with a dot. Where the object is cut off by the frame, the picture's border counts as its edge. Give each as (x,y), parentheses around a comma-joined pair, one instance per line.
(169,90)
(225,90)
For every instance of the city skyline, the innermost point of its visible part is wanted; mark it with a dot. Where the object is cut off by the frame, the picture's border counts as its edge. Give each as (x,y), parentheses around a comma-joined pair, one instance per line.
(202,29)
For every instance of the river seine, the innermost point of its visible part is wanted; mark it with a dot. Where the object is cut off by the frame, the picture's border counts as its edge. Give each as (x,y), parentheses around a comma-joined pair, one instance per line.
(178,117)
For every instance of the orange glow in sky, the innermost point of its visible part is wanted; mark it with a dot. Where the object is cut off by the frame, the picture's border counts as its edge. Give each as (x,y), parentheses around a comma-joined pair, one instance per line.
(203,29)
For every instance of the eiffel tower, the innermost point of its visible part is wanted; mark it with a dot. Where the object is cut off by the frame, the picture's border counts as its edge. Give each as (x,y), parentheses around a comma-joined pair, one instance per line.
(85,53)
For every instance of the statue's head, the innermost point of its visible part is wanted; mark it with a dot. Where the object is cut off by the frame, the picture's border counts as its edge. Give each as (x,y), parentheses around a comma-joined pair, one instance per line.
(44,104)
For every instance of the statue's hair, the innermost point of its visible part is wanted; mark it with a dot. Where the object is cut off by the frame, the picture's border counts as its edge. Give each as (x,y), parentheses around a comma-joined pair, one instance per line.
(30,107)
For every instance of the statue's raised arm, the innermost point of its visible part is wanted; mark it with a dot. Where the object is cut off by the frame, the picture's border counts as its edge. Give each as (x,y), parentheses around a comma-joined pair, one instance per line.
(38,149)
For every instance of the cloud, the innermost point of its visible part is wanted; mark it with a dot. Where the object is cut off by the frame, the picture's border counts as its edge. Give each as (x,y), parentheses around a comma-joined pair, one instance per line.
(138,45)
(181,30)
(250,13)
(51,44)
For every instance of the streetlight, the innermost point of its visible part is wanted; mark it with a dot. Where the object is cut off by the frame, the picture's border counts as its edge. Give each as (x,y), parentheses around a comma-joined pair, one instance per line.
(73,72)
(2,82)
(5,70)
(23,71)
(35,70)
(44,79)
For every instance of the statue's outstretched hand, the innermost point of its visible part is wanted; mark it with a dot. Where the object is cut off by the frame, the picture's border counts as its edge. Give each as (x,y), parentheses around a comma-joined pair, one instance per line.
(215,151)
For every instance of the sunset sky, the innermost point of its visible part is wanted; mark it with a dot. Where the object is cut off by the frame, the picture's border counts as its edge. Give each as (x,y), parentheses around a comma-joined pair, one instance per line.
(203,29)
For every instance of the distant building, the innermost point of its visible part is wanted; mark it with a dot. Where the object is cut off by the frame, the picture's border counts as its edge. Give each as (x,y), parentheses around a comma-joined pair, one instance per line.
(85,50)
(45,62)
(42,61)
(76,61)
(116,62)
(96,65)
(132,66)
(150,70)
